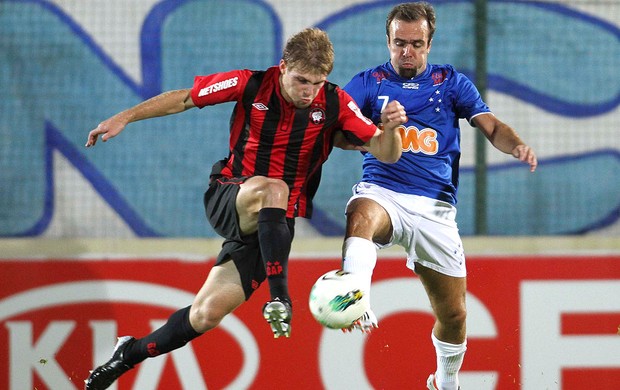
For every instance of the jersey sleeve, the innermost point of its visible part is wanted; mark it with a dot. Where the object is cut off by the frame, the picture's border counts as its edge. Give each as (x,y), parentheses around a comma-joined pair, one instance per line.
(469,102)
(356,128)
(356,88)
(219,87)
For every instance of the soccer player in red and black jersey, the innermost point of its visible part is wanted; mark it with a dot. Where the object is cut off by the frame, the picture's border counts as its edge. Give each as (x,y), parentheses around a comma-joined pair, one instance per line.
(284,125)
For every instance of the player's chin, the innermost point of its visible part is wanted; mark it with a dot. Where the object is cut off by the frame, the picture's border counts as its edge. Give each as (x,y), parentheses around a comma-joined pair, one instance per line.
(407,72)
(407,67)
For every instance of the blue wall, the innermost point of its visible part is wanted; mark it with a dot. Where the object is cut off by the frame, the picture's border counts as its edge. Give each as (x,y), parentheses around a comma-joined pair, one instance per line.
(58,83)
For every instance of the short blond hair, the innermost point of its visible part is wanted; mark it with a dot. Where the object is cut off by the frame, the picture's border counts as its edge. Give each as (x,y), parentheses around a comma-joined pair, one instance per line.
(310,51)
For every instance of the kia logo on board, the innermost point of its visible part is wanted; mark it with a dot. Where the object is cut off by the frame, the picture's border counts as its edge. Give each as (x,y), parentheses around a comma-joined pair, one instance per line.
(33,347)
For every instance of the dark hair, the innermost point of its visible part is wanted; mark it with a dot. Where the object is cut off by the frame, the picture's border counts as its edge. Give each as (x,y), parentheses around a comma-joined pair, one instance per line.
(310,51)
(410,12)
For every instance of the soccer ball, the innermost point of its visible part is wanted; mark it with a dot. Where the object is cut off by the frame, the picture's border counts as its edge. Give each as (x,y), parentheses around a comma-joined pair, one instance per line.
(338,299)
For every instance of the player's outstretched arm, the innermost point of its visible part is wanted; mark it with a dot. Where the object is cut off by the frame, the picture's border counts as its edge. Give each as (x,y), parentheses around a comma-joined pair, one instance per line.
(506,139)
(387,145)
(167,103)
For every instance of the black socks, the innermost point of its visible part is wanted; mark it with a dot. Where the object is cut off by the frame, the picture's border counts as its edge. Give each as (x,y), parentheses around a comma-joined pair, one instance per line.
(172,335)
(274,238)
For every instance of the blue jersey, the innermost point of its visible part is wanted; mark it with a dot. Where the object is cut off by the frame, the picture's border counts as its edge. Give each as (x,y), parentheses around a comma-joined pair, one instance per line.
(434,101)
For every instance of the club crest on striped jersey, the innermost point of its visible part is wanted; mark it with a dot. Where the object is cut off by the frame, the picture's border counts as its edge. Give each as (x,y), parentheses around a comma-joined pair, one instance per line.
(317,115)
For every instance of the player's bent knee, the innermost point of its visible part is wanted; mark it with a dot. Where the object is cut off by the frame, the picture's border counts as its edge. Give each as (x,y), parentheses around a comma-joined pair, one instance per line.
(276,187)
(269,192)
(204,319)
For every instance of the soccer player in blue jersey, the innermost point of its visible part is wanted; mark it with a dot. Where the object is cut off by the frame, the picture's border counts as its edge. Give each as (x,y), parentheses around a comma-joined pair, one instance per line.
(412,203)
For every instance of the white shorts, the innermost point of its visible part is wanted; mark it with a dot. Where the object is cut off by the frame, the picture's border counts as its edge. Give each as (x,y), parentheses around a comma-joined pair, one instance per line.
(425,227)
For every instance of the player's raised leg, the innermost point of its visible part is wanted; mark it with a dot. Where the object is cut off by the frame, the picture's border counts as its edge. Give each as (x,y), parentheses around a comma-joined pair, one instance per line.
(261,205)
(367,223)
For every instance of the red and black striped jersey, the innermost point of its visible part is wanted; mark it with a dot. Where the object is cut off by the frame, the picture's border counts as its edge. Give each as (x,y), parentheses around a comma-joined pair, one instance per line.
(273,138)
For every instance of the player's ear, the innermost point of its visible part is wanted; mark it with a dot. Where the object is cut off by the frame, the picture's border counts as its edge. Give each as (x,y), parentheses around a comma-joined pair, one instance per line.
(430,43)
(282,66)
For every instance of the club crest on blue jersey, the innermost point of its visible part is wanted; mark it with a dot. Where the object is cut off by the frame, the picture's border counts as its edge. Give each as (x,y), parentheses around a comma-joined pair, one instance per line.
(439,77)
(379,76)
(317,115)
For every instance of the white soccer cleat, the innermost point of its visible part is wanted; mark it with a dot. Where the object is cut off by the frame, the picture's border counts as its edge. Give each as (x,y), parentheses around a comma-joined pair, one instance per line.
(365,323)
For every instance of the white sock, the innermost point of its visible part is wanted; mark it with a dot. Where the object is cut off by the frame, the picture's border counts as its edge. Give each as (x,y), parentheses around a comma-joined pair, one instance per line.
(449,361)
(359,256)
